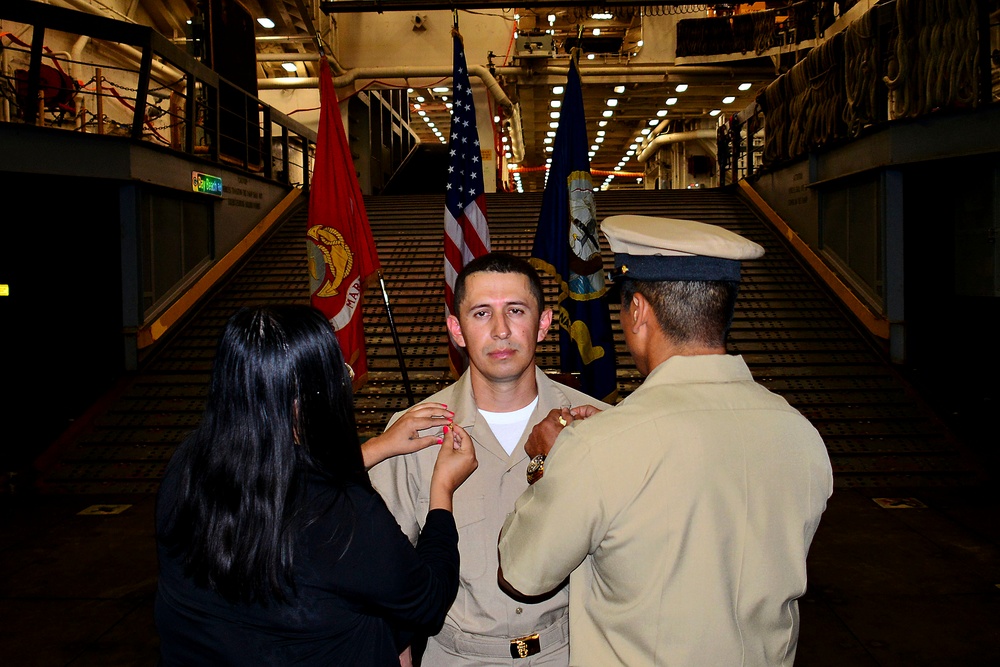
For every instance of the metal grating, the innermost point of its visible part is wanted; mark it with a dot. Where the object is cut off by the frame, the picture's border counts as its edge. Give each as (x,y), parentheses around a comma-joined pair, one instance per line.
(796,339)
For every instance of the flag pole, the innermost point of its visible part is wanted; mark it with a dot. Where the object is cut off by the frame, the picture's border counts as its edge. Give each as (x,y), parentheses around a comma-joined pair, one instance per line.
(395,338)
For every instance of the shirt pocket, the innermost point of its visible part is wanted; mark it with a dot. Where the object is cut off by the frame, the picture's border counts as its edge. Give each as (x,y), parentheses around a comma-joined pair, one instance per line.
(473,540)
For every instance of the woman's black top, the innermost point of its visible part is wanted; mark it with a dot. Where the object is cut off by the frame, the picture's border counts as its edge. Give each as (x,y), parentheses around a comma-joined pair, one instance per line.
(356,607)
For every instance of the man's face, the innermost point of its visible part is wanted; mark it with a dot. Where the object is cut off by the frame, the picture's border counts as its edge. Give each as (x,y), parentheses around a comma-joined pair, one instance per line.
(499,323)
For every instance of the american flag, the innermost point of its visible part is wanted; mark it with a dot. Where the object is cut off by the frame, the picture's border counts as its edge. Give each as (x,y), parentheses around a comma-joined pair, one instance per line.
(466,232)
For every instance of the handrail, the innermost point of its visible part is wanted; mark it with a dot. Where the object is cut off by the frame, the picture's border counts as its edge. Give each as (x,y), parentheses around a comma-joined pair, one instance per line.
(205,114)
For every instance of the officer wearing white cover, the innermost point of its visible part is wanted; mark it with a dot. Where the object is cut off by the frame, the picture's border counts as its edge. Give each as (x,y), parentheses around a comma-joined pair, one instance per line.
(684,515)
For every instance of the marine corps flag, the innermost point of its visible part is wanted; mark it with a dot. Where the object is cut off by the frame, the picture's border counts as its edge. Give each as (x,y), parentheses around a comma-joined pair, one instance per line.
(567,247)
(342,254)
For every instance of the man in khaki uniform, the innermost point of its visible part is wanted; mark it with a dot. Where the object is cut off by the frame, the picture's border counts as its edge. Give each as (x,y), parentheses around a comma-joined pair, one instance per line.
(499,318)
(684,515)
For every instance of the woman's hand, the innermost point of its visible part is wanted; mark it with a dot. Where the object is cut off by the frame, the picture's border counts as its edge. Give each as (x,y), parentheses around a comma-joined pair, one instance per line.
(403,436)
(455,462)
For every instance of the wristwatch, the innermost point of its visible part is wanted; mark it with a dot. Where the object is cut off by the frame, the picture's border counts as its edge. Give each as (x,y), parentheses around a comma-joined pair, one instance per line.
(536,468)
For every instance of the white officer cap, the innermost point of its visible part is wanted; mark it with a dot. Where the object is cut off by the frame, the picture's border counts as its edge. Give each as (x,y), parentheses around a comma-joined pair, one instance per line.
(649,248)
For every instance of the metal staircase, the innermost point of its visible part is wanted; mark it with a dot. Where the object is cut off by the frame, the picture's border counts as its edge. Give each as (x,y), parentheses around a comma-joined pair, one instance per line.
(796,339)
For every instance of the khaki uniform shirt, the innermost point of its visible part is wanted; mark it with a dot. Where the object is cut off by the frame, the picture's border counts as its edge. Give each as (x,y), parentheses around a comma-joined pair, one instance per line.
(684,515)
(481,505)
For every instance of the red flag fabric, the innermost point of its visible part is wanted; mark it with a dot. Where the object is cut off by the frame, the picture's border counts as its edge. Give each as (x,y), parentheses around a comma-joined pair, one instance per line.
(466,231)
(342,254)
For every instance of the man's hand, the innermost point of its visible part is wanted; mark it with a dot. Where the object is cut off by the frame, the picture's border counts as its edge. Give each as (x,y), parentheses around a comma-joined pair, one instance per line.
(455,462)
(581,412)
(403,437)
(545,432)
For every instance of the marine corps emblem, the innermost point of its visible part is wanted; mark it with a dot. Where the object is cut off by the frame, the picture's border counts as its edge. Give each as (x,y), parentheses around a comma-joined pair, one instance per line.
(337,257)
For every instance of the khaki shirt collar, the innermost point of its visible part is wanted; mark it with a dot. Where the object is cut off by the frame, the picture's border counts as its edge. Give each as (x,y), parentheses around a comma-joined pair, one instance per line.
(550,397)
(701,368)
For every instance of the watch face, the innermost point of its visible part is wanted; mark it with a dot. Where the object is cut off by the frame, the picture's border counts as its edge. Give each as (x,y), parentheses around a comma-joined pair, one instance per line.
(536,463)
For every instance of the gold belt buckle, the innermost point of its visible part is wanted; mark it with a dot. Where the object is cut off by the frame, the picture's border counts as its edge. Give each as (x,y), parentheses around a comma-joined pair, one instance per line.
(522,647)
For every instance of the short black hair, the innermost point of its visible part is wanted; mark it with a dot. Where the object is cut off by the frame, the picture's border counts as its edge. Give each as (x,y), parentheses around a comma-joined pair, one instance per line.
(499,262)
(688,311)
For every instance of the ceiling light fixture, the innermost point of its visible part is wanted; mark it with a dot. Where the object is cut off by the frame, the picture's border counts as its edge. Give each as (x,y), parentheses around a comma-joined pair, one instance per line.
(745,86)
(608,113)
(619,89)
(288,67)
(671,101)
(554,115)
(681,87)
(714,112)
(602,16)
(612,102)
(729,99)
(557,90)
(265,22)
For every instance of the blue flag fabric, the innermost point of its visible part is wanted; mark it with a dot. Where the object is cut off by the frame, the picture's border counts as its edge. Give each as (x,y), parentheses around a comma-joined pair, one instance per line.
(567,247)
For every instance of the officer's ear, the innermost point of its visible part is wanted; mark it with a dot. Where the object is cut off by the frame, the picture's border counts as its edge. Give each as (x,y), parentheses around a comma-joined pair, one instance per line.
(640,310)
(455,329)
(544,322)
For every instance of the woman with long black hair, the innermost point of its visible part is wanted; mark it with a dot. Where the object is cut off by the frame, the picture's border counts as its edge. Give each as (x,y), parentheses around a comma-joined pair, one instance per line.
(274,549)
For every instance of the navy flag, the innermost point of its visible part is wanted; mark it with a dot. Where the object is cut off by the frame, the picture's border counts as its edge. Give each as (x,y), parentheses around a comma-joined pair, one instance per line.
(567,247)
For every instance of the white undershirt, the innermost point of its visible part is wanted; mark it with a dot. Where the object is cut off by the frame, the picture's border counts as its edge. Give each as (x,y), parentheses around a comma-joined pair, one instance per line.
(509,426)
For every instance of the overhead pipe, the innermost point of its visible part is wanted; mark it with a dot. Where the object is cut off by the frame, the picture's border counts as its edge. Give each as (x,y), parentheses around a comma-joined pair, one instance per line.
(666,70)
(405,72)
(593,172)
(352,75)
(168,75)
(672,138)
